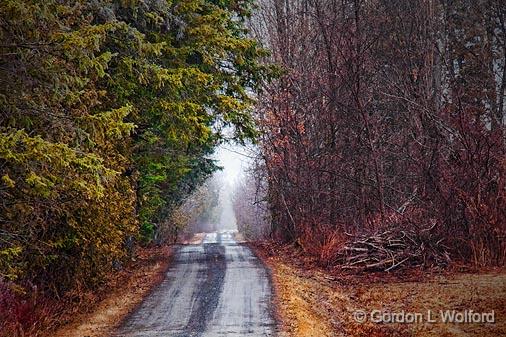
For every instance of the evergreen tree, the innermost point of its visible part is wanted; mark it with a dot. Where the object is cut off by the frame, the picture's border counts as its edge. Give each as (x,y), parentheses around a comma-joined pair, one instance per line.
(109,112)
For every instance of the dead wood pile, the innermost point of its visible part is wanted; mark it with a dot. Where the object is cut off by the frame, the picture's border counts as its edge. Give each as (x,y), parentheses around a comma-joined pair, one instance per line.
(393,249)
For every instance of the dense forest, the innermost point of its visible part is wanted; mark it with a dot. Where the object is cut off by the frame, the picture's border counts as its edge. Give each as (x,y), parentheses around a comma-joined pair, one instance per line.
(384,140)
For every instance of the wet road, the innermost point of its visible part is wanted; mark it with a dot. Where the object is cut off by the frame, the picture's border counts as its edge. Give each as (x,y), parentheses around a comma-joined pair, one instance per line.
(217,288)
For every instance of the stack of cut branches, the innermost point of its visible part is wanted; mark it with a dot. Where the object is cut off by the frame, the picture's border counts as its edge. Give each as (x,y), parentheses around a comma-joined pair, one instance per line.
(393,249)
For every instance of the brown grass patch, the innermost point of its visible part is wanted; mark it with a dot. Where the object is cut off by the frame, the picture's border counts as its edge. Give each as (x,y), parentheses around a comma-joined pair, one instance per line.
(312,302)
(192,239)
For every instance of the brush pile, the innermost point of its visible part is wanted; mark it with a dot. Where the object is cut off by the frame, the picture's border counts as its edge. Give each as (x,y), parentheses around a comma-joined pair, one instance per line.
(393,249)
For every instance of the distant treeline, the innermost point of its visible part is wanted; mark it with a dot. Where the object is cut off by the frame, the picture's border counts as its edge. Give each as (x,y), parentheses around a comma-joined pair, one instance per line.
(109,111)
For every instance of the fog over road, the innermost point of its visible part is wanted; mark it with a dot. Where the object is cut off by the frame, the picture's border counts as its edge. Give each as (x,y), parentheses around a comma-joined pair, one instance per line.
(216,288)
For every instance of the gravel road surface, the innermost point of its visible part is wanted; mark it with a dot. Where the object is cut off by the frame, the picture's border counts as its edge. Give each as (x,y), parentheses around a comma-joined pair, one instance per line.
(216,288)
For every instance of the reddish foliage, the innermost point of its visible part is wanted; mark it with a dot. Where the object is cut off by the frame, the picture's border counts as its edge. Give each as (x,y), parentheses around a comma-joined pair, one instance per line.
(24,314)
(30,312)
(390,114)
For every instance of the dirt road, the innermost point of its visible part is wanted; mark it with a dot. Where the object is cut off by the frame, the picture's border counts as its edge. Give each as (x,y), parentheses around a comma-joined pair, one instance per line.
(216,288)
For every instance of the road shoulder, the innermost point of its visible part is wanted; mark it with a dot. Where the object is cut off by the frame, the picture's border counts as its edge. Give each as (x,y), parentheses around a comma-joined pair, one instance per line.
(313,302)
(121,296)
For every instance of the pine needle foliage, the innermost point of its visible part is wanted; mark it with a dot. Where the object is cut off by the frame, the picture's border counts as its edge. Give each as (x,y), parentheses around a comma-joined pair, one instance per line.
(109,111)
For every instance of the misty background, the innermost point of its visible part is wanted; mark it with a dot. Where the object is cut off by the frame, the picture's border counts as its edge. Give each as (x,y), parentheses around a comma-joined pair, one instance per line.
(233,198)
(234,163)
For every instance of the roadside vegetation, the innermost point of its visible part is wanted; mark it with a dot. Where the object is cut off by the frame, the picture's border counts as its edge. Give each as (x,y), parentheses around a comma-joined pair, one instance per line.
(382,146)
(109,112)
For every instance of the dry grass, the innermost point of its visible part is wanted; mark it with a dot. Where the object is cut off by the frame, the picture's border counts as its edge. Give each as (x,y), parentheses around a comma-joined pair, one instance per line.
(313,303)
(192,239)
(239,237)
(124,293)
(296,297)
